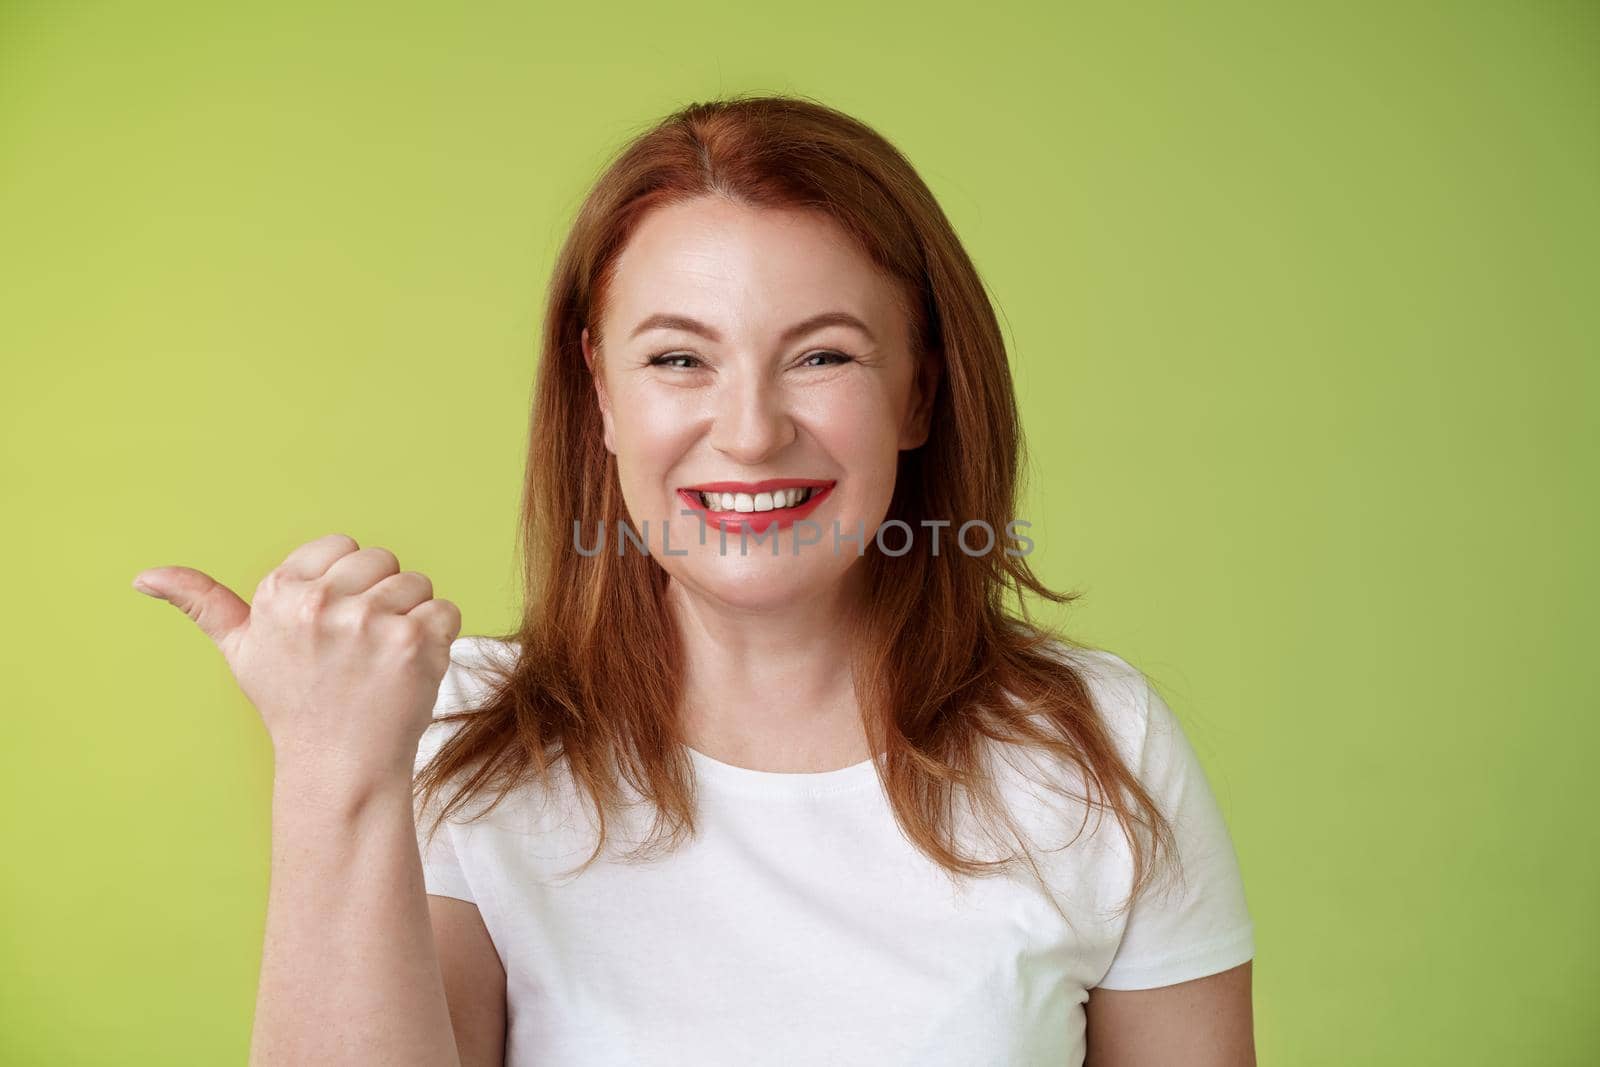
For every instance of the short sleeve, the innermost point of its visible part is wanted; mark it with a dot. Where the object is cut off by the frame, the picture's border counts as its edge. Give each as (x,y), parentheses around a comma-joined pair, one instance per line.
(441,869)
(442,873)
(1182,929)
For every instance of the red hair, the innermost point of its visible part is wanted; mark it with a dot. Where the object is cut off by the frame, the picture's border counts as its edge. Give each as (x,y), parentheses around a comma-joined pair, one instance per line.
(944,665)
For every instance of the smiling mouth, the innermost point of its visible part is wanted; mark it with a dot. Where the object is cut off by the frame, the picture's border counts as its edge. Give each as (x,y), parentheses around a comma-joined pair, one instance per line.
(776,500)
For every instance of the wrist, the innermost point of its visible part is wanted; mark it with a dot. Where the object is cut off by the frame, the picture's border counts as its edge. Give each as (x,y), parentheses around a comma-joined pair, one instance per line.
(338,781)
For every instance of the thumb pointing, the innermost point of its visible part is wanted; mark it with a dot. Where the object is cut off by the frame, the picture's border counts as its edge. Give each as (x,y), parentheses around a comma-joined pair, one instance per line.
(215,608)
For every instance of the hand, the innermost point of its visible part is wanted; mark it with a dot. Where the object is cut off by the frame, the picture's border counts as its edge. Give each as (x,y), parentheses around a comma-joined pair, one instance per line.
(341,652)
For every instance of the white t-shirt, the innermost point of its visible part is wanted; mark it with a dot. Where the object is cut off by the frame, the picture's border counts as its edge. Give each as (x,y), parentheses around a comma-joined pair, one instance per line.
(801,927)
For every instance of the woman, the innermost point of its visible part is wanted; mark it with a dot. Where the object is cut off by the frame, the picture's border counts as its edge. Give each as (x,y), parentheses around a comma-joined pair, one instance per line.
(768,772)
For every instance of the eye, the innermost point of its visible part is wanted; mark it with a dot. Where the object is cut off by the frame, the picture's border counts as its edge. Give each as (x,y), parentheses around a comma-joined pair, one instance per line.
(839,356)
(665,360)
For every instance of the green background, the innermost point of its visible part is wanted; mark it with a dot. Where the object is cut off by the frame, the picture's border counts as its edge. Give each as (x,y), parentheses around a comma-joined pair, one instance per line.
(1301,304)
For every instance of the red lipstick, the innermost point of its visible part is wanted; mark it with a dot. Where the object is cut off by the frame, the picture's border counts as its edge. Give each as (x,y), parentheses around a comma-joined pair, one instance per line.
(756,521)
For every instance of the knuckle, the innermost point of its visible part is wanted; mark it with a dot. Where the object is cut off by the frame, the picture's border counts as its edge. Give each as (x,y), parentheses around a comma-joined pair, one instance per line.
(270,584)
(363,614)
(410,642)
(312,604)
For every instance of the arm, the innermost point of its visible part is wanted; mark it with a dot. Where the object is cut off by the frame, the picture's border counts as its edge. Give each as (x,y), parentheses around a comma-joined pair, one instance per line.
(474,981)
(1207,1022)
(349,969)
(344,655)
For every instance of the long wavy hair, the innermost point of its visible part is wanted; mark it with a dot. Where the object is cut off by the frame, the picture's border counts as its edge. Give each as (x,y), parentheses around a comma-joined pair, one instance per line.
(945,665)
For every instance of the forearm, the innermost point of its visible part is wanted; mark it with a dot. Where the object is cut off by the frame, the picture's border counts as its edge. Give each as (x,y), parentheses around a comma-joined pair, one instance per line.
(349,970)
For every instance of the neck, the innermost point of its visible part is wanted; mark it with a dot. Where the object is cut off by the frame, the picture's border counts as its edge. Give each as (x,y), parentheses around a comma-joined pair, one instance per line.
(769,688)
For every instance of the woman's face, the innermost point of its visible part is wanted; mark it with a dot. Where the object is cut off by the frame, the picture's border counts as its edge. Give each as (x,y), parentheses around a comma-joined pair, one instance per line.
(744,346)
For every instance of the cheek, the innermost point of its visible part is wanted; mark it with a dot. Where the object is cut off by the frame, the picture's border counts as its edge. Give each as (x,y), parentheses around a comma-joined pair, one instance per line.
(857,425)
(647,423)
(858,429)
(651,431)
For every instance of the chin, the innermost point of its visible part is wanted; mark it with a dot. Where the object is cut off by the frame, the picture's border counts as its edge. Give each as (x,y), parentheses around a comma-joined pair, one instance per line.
(758,583)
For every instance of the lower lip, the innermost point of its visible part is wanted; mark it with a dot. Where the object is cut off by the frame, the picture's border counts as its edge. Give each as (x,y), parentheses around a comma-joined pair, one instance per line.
(755,521)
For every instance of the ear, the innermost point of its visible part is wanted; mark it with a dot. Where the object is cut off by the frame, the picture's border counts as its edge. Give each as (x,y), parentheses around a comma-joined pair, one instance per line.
(919,413)
(590,355)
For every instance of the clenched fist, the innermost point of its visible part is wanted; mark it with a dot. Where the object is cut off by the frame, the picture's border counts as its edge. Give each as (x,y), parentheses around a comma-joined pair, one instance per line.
(340,651)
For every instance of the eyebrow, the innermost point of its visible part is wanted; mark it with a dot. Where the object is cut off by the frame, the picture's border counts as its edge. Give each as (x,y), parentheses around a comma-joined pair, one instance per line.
(662,321)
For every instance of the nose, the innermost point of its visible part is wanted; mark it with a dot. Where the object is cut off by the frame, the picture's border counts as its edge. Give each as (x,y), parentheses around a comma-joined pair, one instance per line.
(751,420)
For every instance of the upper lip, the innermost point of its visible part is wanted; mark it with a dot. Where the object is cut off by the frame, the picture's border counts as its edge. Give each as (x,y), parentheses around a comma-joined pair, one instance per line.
(752,488)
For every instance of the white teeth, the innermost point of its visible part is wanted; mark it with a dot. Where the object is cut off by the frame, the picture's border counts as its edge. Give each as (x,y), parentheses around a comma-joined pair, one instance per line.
(748,502)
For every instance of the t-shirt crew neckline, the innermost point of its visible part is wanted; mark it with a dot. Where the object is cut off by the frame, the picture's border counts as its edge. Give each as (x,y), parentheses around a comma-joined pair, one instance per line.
(798,784)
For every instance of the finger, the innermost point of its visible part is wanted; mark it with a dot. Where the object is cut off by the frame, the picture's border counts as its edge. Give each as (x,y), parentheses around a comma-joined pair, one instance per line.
(358,572)
(441,616)
(399,593)
(312,559)
(215,608)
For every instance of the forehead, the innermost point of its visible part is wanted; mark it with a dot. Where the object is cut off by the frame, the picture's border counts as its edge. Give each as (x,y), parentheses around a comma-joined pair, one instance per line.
(749,270)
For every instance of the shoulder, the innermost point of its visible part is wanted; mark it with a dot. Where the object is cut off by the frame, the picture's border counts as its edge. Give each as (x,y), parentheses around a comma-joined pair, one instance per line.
(1152,740)
(481,653)
(1120,691)
(476,663)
